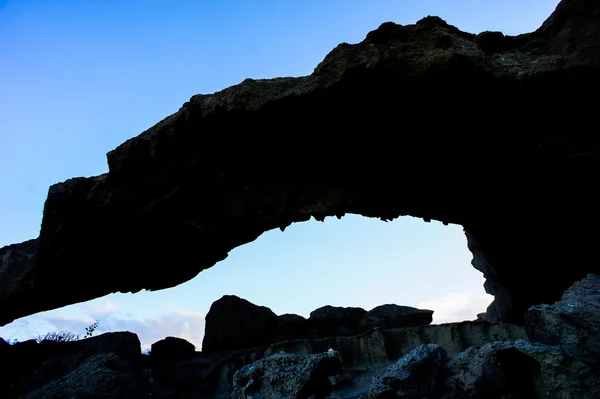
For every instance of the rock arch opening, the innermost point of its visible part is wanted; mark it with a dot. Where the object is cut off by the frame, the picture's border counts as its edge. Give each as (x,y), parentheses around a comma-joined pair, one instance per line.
(354,262)
(181,195)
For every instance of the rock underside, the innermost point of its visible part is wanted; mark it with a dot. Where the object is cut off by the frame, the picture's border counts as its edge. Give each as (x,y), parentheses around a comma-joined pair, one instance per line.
(475,360)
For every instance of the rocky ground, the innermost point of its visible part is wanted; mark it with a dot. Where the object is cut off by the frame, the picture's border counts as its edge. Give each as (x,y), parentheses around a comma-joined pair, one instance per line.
(388,352)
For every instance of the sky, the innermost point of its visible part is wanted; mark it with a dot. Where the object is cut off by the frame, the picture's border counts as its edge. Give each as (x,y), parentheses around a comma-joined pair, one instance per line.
(78,78)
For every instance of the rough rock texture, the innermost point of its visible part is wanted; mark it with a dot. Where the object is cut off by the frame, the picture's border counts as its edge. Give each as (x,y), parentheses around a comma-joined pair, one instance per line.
(468,360)
(287,375)
(573,322)
(235,323)
(98,377)
(416,375)
(367,355)
(490,136)
(17,270)
(113,361)
(519,369)
(90,368)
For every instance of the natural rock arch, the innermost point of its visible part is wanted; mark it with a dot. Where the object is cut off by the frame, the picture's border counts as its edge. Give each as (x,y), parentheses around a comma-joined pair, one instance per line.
(489,132)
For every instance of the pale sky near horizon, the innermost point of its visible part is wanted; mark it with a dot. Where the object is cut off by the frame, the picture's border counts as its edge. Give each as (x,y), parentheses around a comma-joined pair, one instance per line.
(79,77)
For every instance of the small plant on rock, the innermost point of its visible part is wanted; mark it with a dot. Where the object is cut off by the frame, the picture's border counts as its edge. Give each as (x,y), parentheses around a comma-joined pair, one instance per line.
(66,336)
(89,330)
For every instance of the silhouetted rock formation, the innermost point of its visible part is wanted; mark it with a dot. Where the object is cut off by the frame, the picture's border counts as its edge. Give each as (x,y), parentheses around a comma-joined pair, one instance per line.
(468,360)
(415,375)
(235,323)
(573,322)
(91,368)
(290,375)
(490,132)
(172,349)
(394,316)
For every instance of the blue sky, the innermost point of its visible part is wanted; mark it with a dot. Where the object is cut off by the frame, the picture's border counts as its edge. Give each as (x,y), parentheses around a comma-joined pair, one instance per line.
(79,77)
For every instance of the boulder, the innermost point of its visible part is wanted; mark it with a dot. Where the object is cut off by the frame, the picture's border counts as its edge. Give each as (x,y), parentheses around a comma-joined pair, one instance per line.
(100,376)
(394,316)
(235,323)
(573,322)
(519,369)
(184,377)
(290,326)
(41,370)
(287,375)
(334,321)
(416,375)
(172,349)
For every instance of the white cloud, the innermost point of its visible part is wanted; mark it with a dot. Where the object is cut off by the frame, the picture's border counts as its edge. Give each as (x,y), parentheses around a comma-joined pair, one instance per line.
(178,322)
(66,323)
(107,307)
(457,306)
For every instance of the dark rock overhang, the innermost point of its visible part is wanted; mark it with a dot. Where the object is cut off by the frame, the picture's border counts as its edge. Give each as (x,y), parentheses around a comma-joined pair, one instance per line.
(491,132)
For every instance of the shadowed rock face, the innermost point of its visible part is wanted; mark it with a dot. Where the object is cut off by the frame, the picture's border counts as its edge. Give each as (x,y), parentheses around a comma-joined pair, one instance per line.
(233,323)
(475,360)
(494,133)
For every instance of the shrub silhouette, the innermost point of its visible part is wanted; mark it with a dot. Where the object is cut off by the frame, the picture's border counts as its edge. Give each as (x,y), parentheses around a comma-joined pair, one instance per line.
(64,336)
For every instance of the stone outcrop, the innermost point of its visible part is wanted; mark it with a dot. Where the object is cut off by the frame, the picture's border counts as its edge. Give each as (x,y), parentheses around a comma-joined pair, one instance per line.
(502,368)
(92,368)
(364,356)
(486,131)
(394,316)
(235,323)
(468,360)
(288,375)
(573,322)
(416,375)
(519,369)
(42,369)
(172,349)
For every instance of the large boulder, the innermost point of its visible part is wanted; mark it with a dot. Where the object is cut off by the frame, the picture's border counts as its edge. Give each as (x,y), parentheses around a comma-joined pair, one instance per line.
(290,326)
(65,369)
(172,349)
(287,375)
(394,316)
(101,376)
(235,323)
(573,322)
(334,321)
(416,375)
(519,369)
